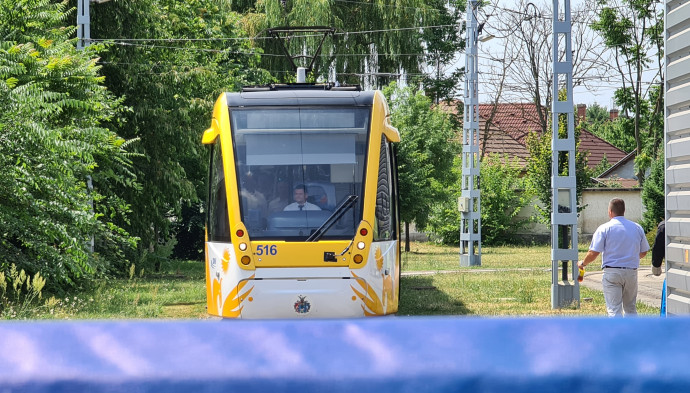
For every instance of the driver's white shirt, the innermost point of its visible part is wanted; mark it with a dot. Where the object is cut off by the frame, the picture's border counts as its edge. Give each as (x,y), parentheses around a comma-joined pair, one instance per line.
(295,207)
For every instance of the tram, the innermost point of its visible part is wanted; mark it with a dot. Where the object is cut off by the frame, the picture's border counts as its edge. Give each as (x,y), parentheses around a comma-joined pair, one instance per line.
(302,214)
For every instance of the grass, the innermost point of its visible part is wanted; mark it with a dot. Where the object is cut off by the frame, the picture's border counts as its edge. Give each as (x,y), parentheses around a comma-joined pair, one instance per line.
(178,293)
(429,256)
(512,281)
(499,293)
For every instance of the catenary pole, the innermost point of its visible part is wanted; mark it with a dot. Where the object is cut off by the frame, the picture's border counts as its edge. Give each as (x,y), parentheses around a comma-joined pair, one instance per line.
(469,202)
(564,291)
(83,24)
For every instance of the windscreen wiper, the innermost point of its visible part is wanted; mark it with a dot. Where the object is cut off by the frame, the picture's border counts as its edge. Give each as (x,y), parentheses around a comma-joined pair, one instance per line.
(337,213)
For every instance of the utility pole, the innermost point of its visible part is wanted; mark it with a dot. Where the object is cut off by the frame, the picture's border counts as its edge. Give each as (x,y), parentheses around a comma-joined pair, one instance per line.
(438,77)
(83,40)
(469,203)
(563,186)
(83,24)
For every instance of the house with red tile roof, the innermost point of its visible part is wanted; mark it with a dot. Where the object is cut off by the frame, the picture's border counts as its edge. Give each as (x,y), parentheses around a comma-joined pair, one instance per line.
(621,174)
(510,124)
(505,130)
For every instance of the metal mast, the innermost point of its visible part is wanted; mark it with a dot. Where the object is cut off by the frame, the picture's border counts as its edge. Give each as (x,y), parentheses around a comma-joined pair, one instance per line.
(563,185)
(83,24)
(469,205)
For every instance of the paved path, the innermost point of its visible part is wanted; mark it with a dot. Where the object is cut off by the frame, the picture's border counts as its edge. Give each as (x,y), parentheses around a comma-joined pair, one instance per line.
(648,285)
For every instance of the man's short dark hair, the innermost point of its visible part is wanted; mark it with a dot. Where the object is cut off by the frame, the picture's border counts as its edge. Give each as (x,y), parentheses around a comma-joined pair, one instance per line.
(301,187)
(617,206)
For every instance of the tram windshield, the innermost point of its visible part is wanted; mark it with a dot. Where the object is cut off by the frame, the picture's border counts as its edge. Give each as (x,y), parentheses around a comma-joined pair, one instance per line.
(296,166)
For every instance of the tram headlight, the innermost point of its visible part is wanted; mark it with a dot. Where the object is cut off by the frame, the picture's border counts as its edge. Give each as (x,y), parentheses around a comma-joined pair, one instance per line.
(358,258)
(245,260)
(361,245)
(243,246)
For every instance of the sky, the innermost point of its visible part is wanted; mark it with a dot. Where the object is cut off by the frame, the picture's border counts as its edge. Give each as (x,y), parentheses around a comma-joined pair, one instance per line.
(600,92)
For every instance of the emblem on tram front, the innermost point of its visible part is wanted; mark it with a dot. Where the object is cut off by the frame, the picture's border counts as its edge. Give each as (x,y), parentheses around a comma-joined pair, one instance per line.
(302,306)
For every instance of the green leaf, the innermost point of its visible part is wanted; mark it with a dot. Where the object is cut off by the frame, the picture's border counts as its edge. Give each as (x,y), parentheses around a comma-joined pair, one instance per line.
(11,82)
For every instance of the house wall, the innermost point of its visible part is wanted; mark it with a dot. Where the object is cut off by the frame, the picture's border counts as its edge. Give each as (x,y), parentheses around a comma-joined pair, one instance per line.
(597,203)
(536,230)
(594,214)
(625,171)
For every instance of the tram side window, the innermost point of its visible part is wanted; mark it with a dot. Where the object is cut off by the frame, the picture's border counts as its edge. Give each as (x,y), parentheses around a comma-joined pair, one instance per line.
(218,221)
(383,224)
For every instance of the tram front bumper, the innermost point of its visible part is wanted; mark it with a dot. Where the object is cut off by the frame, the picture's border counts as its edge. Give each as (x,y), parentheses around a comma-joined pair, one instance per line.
(302,298)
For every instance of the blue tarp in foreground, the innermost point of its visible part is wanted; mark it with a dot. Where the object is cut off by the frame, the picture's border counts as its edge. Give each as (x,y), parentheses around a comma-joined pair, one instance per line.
(394,354)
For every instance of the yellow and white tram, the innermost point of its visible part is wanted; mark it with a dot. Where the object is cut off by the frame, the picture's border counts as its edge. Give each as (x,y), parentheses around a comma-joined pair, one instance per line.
(302,215)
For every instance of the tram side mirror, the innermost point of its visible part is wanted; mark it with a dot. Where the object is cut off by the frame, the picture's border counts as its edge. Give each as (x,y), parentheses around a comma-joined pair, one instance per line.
(210,134)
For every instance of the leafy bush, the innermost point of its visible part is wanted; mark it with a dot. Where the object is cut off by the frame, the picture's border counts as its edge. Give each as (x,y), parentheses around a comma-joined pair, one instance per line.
(444,217)
(653,196)
(502,198)
(51,144)
(171,89)
(19,292)
(619,133)
(426,153)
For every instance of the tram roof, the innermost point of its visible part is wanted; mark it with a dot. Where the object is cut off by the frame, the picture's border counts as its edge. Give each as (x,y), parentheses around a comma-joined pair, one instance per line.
(301,95)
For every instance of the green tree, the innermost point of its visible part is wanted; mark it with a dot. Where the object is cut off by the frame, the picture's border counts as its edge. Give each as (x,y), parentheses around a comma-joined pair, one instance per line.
(616,132)
(597,114)
(442,45)
(170,87)
(503,196)
(653,196)
(426,155)
(539,166)
(52,139)
(525,38)
(444,219)
(634,30)
(375,41)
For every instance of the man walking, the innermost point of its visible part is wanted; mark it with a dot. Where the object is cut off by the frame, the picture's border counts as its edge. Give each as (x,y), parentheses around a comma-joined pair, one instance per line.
(623,244)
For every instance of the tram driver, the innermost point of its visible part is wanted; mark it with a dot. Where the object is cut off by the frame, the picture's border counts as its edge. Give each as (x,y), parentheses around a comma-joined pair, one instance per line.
(300,196)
